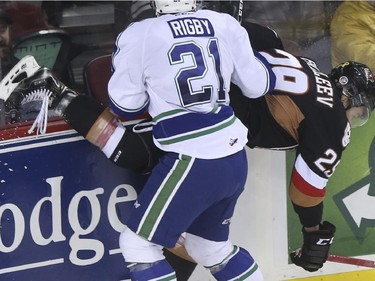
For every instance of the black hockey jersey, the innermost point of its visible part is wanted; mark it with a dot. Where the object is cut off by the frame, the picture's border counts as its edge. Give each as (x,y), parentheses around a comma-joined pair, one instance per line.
(305,113)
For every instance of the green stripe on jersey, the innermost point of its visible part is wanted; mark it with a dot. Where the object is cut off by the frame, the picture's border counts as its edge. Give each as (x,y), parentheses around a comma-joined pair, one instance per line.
(198,133)
(168,114)
(171,277)
(165,192)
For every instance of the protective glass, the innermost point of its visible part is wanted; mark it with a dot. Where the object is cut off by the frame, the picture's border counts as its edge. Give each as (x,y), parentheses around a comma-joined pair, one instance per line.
(359,110)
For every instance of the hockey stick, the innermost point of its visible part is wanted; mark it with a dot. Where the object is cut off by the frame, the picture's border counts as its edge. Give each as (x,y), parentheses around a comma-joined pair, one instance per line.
(350,260)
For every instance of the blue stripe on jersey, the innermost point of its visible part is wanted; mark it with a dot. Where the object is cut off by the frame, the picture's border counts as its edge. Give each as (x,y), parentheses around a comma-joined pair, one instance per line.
(126,113)
(272,77)
(168,126)
(190,26)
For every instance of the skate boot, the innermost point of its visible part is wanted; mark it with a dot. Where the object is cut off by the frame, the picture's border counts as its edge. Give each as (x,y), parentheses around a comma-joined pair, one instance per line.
(41,85)
(43,94)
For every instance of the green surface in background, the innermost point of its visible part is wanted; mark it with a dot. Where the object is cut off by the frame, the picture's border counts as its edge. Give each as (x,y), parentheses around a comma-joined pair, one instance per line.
(353,172)
(45,50)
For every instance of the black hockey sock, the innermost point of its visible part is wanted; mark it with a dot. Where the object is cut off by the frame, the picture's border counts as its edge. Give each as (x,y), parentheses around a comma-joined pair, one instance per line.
(183,268)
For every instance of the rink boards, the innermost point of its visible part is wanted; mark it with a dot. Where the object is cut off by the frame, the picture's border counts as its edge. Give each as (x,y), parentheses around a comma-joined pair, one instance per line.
(63,205)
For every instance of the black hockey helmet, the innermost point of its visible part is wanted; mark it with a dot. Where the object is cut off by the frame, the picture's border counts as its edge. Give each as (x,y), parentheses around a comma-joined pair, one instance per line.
(356,81)
(231,7)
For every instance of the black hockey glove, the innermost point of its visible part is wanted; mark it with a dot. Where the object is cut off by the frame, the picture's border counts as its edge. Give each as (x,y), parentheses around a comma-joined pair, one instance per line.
(316,244)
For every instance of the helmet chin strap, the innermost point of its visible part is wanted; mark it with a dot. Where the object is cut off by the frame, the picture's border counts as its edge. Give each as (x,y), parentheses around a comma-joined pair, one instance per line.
(372,103)
(345,101)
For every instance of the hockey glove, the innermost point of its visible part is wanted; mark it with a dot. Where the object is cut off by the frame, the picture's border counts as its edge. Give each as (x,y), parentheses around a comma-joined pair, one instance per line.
(316,244)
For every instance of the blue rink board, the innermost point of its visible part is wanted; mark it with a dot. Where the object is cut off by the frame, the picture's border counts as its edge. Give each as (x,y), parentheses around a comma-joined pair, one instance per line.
(62,206)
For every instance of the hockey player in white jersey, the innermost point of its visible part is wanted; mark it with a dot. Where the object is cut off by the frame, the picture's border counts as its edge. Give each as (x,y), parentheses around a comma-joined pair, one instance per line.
(178,68)
(183,65)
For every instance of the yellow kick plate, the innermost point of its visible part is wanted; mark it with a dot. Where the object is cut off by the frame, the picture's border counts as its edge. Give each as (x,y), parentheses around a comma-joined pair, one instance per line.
(365,275)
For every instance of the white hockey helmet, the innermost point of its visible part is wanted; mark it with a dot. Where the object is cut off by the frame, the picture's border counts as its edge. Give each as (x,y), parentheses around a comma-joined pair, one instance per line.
(174,6)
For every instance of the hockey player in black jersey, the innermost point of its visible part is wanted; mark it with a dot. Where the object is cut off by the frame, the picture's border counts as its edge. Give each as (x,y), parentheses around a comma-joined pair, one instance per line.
(309,111)
(316,121)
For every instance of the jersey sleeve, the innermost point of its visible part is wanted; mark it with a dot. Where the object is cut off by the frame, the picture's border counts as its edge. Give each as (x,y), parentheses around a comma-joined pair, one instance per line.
(252,73)
(316,160)
(126,88)
(262,37)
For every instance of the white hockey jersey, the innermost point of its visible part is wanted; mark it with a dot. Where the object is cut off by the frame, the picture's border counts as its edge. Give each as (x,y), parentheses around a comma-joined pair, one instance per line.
(179,69)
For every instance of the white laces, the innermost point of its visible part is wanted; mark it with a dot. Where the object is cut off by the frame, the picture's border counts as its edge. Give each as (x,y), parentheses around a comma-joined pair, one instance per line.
(41,120)
(143,127)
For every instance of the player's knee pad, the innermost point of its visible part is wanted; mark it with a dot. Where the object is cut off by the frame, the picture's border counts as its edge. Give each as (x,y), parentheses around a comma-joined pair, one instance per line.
(239,265)
(207,252)
(136,249)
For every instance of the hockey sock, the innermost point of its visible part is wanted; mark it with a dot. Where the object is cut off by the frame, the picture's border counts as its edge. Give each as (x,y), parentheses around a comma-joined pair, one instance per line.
(157,271)
(239,266)
(183,268)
